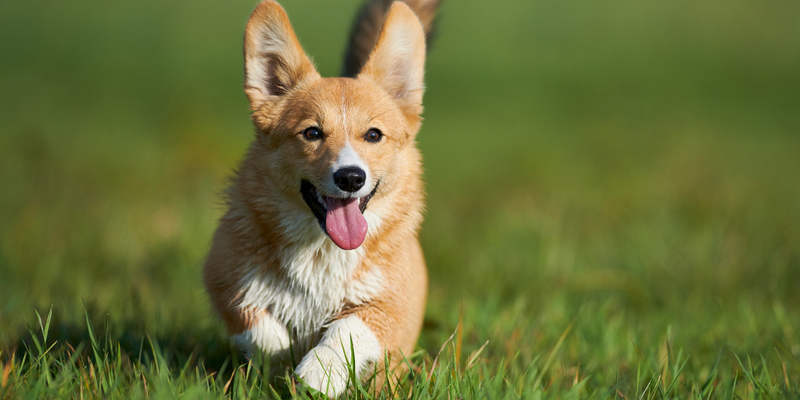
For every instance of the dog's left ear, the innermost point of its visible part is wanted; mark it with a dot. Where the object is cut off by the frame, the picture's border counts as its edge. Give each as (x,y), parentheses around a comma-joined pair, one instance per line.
(397,63)
(274,61)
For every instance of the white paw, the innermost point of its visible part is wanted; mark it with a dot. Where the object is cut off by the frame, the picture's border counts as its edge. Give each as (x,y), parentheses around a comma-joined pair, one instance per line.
(322,370)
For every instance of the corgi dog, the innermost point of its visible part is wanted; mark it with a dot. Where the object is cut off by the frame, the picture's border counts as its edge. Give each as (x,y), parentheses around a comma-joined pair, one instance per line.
(318,248)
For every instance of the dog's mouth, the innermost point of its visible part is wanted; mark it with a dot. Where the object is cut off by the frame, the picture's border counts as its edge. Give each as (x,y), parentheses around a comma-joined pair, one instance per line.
(341,219)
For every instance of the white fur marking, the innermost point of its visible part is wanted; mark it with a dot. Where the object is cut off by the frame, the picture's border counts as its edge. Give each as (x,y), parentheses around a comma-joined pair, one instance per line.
(315,279)
(268,335)
(344,114)
(374,222)
(348,157)
(325,367)
(309,291)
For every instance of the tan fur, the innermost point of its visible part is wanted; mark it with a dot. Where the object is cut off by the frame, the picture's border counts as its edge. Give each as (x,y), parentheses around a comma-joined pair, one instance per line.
(267,213)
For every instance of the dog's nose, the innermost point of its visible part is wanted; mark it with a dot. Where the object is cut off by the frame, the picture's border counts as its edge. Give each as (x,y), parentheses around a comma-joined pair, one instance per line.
(350,179)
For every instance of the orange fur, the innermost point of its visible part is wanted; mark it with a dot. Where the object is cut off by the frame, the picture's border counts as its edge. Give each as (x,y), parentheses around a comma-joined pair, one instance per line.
(269,227)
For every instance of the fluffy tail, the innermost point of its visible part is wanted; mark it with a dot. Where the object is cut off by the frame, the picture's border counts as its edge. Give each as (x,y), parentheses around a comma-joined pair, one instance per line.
(368,24)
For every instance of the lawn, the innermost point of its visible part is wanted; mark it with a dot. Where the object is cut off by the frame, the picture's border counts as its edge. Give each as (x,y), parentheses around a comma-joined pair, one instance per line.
(613,198)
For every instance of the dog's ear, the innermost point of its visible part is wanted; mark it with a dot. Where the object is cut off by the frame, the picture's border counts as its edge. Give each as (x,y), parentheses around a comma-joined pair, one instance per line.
(397,63)
(274,61)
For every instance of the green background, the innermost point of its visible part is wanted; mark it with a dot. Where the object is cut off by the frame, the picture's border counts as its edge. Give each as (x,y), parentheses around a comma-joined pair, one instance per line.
(631,166)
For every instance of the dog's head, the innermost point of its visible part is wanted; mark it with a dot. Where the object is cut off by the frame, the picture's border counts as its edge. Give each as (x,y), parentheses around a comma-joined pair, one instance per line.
(334,144)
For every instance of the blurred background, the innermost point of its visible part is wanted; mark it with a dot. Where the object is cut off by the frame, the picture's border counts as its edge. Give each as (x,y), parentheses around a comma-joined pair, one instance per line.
(630,165)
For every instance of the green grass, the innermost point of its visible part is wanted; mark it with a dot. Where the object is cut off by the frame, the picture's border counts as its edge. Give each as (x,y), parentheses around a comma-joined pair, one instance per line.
(613,197)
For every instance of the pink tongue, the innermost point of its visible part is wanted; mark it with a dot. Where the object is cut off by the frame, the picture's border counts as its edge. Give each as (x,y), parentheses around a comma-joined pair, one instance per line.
(345,224)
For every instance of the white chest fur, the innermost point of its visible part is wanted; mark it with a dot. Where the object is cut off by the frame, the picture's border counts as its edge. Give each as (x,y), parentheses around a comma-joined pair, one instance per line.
(314,281)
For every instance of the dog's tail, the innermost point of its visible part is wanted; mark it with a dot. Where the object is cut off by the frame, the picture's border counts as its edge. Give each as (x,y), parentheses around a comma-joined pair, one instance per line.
(367,27)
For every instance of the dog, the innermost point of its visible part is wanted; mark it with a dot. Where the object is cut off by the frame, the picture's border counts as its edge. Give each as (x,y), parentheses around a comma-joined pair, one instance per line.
(318,249)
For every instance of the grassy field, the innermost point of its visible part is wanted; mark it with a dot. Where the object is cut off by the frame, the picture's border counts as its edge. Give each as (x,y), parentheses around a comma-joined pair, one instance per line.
(613,197)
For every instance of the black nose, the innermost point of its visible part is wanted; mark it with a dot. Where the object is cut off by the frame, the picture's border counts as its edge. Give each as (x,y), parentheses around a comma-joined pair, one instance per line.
(350,179)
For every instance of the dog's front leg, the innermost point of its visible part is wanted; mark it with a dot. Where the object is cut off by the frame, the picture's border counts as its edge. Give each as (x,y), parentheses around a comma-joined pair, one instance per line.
(325,367)
(266,335)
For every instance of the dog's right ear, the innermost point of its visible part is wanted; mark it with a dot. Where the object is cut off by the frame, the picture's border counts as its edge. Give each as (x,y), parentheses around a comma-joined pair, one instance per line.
(274,61)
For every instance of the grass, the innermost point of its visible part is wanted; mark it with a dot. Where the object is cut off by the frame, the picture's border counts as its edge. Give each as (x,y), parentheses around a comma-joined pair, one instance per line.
(613,201)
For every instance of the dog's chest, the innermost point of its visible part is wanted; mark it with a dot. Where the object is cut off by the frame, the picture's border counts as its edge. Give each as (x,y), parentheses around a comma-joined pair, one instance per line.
(313,282)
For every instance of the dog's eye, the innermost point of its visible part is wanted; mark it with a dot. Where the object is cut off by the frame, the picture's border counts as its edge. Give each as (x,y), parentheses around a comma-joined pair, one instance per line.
(312,134)
(373,135)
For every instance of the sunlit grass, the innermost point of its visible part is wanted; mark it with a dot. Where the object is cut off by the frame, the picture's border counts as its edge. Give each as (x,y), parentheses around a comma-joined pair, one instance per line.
(103,368)
(613,201)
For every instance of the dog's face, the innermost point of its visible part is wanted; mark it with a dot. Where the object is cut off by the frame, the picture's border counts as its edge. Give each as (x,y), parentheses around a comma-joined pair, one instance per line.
(334,142)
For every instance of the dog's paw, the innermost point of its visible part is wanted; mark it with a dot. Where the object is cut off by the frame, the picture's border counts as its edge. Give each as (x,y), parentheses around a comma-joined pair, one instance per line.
(323,370)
